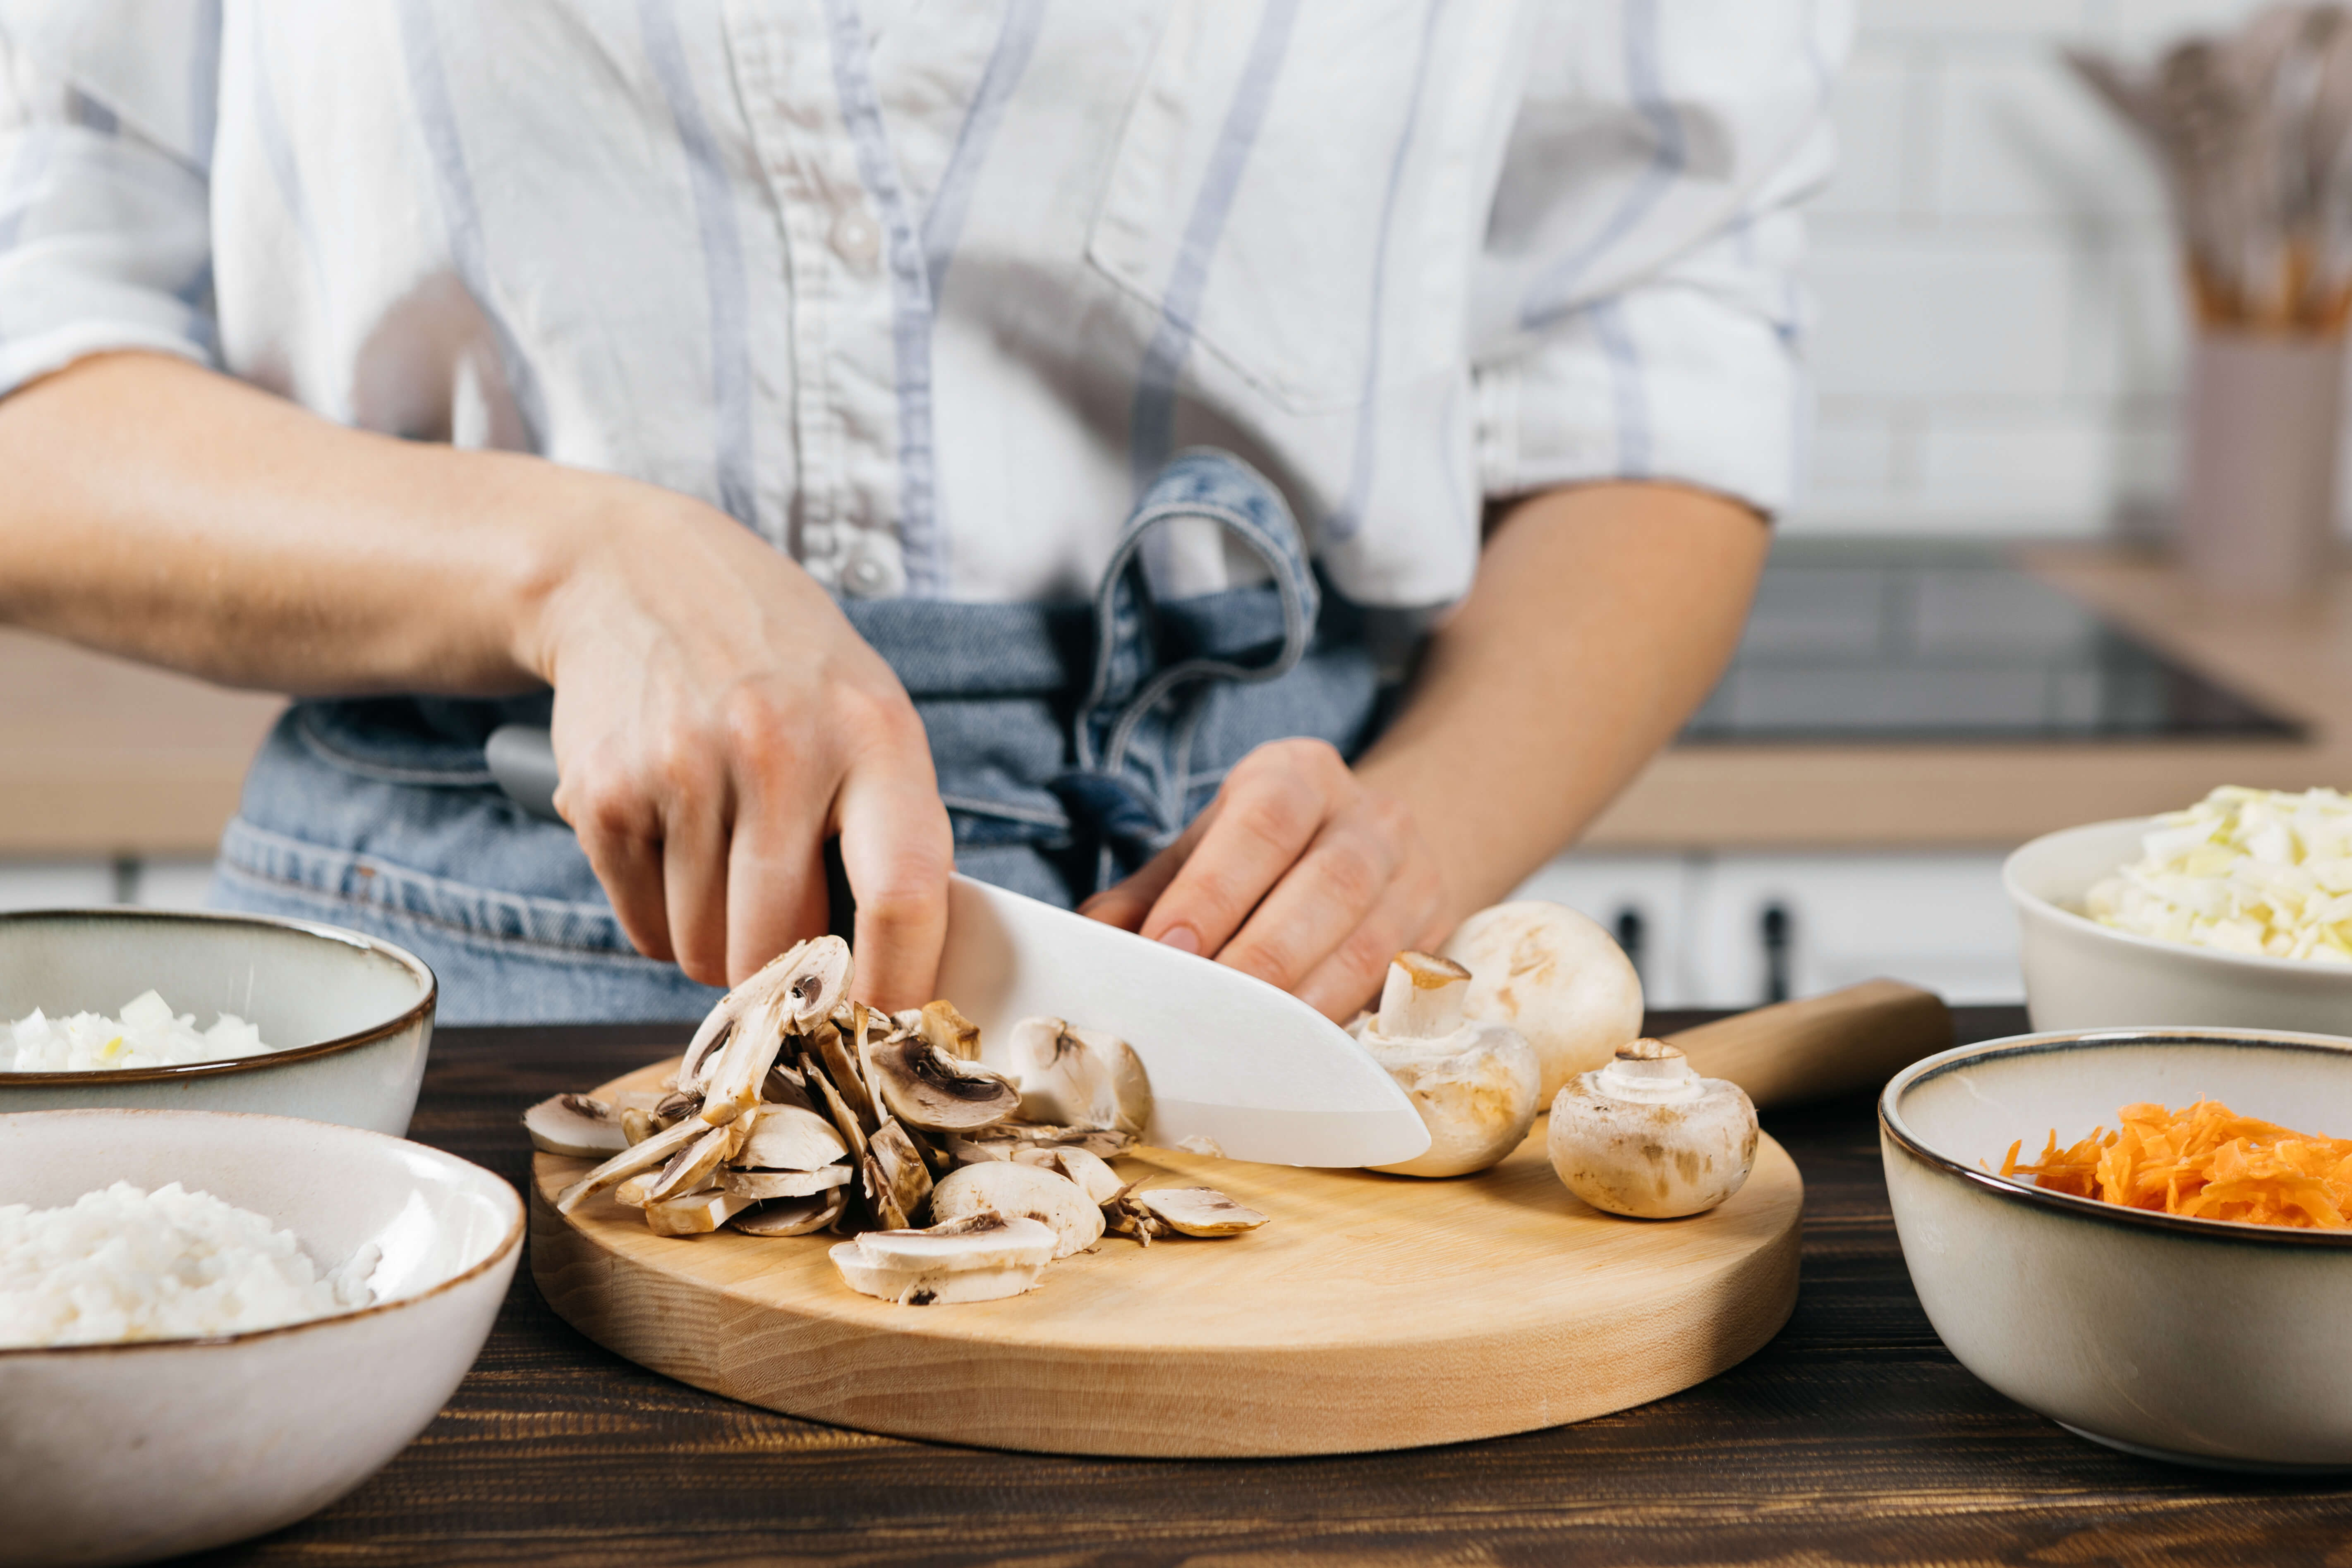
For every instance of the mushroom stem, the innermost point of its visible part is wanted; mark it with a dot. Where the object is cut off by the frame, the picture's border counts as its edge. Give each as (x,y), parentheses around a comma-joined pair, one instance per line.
(1423,997)
(1651,1072)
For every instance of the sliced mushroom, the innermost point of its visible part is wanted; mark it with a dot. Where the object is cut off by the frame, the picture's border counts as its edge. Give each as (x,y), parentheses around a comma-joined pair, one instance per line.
(1203,1144)
(785,1086)
(795,1216)
(882,1199)
(1126,1216)
(633,1192)
(782,1183)
(691,1168)
(731,1085)
(900,1165)
(840,1058)
(789,1138)
(1094,1177)
(1080,1078)
(1021,1192)
(1198,1211)
(1006,1139)
(645,1155)
(853,1132)
(696,1213)
(576,1126)
(945,1029)
(948,1264)
(820,975)
(925,1087)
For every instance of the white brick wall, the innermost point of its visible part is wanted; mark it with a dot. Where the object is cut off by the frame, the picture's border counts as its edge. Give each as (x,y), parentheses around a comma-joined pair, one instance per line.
(2000,320)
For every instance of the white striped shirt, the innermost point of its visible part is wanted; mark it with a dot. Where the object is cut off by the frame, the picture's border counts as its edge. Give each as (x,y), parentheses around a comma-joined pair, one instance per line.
(920,290)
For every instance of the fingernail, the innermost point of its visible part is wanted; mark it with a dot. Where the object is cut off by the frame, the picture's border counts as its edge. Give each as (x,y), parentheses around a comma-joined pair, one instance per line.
(1183,938)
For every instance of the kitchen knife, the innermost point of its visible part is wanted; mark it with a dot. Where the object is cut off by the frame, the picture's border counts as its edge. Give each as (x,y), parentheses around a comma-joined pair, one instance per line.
(1249,1066)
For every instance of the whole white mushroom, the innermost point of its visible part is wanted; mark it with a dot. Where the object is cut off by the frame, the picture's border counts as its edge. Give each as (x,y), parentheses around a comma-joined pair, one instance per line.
(1473,1083)
(1557,978)
(1646,1136)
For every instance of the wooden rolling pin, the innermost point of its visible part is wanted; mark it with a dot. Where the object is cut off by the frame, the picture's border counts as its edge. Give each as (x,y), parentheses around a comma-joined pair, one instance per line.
(1832,1044)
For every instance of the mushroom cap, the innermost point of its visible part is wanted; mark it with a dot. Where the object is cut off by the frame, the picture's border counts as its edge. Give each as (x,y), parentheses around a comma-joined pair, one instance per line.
(1557,978)
(575,1125)
(926,1088)
(1475,1090)
(793,1217)
(931,1287)
(790,1138)
(1652,1158)
(976,1241)
(1090,1172)
(1198,1211)
(1021,1192)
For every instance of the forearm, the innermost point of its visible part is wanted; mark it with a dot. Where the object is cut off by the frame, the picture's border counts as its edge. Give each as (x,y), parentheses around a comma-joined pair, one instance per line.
(159,511)
(1600,617)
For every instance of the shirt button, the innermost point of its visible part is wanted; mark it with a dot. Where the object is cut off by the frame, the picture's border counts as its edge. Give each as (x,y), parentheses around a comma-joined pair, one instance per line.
(857,239)
(875,569)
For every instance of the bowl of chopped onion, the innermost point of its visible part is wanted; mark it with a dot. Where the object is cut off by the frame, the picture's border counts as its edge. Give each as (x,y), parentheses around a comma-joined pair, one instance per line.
(2143,1234)
(154,1009)
(2235,913)
(212,1325)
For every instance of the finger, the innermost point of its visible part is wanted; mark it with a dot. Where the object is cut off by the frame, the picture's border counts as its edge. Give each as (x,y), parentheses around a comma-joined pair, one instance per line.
(616,830)
(1126,904)
(1269,810)
(1348,978)
(775,878)
(897,851)
(694,876)
(1335,885)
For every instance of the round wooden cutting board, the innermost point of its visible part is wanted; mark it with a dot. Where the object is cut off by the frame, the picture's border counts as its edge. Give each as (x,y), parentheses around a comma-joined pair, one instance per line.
(1372,1312)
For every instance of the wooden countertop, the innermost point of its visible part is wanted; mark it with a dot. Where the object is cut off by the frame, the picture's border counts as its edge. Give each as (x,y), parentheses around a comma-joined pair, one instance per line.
(1852,1437)
(102,757)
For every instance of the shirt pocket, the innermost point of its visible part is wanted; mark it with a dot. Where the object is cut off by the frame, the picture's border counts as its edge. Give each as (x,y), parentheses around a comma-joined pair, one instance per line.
(1261,166)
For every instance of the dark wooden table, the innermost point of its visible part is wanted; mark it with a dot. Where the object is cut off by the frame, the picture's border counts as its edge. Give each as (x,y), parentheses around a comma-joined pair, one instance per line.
(1853,1437)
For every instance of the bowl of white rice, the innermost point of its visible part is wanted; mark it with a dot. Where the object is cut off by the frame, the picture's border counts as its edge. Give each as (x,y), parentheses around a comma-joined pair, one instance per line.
(212,1325)
(167,1009)
(2236,911)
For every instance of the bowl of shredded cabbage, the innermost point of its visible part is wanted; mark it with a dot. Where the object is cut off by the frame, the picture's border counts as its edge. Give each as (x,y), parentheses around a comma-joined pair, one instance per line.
(123,1008)
(2235,913)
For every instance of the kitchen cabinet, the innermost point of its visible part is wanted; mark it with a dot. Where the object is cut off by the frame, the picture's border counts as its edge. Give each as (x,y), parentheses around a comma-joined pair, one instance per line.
(1735,930)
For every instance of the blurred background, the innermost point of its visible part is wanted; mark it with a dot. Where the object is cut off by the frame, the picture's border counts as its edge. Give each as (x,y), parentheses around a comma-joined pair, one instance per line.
(1974,629)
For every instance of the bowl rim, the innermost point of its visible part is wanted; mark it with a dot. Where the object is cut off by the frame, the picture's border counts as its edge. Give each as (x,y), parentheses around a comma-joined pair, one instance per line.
(220,1067)
(509,1242)
(1891,1128)
(2260,963)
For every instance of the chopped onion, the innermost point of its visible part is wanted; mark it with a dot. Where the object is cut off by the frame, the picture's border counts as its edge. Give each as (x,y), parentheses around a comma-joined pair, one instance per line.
(2261,872)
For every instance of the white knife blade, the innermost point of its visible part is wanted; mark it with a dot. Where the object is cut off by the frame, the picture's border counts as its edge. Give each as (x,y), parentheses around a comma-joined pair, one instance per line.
(1230,1057)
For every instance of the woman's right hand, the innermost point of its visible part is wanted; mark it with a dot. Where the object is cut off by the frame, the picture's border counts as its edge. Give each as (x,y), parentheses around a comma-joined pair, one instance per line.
(717,720)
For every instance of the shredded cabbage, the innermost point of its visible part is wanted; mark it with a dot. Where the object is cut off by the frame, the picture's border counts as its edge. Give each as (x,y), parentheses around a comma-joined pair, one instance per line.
(2257,871)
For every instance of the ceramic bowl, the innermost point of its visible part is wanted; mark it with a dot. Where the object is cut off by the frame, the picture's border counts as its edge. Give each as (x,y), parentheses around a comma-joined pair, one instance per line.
(2196,1341)
(351,1015)
(2080,975)
(125,1453)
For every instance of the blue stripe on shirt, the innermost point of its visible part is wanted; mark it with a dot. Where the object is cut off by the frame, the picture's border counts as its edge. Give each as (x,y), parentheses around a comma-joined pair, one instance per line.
(943,224)
(911,297)
(1350,514)
(1554,293)
(428,87)
(723,277)
(1151,424)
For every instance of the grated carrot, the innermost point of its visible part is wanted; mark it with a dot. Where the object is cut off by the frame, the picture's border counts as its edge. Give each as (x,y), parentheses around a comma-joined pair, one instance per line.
(2204,1161)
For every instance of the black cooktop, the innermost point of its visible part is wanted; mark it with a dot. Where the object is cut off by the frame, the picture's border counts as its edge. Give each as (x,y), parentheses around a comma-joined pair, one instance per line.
(1855,640)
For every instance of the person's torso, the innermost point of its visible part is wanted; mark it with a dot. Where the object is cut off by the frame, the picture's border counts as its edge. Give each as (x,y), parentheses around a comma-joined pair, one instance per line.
(918,290)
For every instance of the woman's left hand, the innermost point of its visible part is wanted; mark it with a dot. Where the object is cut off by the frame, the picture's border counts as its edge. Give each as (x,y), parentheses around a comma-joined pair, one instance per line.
(1297,873)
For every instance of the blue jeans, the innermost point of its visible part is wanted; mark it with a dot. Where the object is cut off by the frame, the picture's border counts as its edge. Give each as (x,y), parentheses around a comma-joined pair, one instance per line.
(1071,741)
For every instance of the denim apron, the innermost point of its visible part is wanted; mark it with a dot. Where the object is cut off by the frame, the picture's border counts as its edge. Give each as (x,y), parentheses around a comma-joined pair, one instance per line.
(1071,741)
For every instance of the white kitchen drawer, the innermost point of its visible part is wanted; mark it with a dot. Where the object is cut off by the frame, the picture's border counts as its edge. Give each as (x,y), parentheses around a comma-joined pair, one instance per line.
(172,884)
(56,884)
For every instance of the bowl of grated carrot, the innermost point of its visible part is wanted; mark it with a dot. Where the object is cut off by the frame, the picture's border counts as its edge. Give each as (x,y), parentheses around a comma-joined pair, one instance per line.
(2145,1235)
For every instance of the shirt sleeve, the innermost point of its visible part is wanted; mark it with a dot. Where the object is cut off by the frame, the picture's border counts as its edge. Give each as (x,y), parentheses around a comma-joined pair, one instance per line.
(1637,312)
(106,111)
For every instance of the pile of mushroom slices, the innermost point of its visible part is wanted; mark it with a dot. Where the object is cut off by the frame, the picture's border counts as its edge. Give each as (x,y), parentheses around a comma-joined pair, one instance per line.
(1531,1003)
(796,1109)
